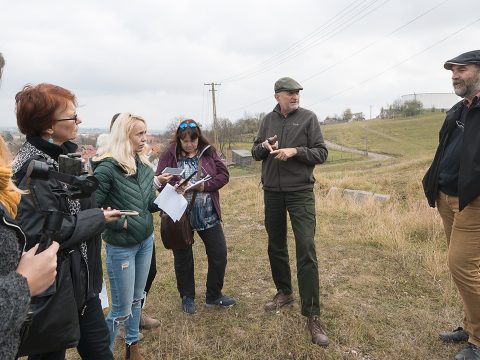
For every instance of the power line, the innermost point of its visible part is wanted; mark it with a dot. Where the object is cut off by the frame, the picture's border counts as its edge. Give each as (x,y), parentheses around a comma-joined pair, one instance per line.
(375,42)
(396,65)
(350,55)
(310,39)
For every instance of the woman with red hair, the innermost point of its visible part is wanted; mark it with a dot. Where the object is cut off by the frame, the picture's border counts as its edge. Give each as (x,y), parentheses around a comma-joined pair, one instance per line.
(47,115)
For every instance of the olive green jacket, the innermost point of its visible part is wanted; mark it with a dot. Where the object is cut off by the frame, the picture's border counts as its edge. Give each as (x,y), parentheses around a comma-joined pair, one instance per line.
(122,192)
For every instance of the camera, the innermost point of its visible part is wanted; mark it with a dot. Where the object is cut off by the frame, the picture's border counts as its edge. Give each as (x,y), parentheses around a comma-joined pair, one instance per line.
(71,164)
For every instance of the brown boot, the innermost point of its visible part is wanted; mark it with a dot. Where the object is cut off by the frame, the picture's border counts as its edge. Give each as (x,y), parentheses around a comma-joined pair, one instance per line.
(133,351)
(147,322)
(317,332)
(279,300)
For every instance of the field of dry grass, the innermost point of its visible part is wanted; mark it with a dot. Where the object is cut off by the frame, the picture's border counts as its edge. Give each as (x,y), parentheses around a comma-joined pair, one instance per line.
(385,288)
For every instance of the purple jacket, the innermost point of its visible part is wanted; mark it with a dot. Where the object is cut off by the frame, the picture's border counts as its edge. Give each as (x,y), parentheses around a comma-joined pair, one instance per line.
(211,165)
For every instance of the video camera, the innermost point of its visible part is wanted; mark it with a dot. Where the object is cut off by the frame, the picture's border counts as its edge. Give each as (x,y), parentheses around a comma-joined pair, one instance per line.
(78,184)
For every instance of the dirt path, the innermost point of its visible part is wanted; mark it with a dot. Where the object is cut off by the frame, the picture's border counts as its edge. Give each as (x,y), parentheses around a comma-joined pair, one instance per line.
(371,155)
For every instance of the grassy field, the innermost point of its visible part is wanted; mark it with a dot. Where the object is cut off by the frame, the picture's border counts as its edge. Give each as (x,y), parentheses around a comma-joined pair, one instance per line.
(385,288)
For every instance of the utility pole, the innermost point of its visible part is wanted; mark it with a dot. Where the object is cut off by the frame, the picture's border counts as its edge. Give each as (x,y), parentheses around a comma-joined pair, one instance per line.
(370,112)
(215,123)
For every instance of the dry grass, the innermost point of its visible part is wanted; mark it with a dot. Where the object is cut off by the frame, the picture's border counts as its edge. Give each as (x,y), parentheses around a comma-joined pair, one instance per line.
(385,288)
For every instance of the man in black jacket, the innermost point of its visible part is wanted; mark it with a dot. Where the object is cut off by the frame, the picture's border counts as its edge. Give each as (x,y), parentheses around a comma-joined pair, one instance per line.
(452,183)
(289,143)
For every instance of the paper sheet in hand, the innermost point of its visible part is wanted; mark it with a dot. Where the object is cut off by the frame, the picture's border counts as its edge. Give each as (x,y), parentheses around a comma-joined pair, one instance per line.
(205,179)
(171,202)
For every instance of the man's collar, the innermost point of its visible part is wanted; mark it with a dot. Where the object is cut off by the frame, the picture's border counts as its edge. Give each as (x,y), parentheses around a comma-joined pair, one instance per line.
(469,103)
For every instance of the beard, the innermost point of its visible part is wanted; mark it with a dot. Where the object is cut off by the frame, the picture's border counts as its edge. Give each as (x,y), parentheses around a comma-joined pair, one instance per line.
(468,87)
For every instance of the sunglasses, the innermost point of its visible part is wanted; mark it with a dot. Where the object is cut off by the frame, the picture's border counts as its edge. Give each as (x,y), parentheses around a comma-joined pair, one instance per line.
(184,125)
(74,117)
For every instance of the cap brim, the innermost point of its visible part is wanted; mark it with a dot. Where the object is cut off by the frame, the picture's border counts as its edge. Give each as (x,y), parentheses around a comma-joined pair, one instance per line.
(448,64)
(283,89)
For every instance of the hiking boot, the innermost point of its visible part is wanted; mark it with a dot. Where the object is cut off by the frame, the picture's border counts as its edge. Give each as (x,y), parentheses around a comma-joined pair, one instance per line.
(121,333)
(132,351)
(471,352)
(222,301)
(188,305)
(317,332)
(457,335)
(147,322)
(280,299)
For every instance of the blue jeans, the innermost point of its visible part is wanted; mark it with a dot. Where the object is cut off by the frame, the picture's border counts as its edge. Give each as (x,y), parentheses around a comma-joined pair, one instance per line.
(127,269)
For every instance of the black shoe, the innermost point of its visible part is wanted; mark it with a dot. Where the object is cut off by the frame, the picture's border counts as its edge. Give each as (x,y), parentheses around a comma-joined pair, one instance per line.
(471,352)
(457,335)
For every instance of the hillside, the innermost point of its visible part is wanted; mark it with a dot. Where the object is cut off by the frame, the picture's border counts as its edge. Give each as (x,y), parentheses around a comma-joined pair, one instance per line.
(408,137)
(385,288)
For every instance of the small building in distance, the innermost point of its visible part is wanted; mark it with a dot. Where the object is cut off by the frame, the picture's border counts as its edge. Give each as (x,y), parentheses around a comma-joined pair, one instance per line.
(433,100)
(242,158)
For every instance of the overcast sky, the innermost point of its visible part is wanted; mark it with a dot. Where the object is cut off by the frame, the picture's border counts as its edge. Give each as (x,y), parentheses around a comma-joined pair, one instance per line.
(152,58)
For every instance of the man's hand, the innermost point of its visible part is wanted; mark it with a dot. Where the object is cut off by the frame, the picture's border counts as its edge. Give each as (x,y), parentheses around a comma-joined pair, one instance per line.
(284,154)
(40,269)
(271,143)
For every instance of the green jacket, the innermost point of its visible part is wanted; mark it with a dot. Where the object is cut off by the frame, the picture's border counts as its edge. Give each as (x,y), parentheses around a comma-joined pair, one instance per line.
(122,192)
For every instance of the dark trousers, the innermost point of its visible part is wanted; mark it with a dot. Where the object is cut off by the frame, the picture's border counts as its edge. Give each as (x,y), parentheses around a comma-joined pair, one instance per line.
(216,249)
(300,206)
(151,273)
(94,336)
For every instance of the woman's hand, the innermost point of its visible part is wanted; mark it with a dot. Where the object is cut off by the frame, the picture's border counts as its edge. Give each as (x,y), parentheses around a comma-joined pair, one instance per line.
(39,269)
(111,215)
(164,178)
(199,187)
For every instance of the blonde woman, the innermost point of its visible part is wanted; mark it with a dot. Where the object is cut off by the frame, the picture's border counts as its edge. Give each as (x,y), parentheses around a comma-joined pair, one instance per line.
(126,182)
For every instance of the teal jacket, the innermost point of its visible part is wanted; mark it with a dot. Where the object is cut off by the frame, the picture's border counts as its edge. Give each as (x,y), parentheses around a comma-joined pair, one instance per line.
(122,192)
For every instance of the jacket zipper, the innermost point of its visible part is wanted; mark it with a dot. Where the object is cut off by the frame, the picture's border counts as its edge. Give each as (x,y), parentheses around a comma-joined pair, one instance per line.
(21,231)
(280,144)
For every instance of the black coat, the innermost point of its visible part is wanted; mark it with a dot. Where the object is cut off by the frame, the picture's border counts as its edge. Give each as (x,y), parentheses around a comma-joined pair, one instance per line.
(469,173)
(84,226)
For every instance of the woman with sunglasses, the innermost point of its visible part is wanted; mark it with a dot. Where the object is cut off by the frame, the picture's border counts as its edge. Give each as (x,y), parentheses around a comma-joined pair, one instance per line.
(126,182)
(47,115)
(191,151)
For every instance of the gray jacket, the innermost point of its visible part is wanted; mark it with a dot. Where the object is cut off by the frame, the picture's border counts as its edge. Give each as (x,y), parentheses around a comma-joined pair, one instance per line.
(14,291)
(300,130)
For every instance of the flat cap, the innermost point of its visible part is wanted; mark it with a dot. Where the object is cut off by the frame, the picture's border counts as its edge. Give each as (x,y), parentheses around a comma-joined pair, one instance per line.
(470,57)
(287,84)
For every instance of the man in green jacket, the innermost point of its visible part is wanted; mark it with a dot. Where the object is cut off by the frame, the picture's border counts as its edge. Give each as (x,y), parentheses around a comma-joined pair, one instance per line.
(289,143)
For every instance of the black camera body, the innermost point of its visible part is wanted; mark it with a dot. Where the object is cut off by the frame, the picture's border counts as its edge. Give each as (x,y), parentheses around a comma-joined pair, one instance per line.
(71,164)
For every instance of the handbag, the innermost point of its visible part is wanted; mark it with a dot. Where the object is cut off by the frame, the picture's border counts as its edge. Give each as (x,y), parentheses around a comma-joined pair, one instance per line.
(52,323)
(177,235)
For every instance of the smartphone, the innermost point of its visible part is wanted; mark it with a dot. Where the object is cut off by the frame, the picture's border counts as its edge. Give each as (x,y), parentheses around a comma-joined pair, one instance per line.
(173,171)
(187,179)
(129,212)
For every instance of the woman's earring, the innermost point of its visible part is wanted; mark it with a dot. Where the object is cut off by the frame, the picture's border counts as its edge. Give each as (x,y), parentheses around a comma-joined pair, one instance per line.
(50,140)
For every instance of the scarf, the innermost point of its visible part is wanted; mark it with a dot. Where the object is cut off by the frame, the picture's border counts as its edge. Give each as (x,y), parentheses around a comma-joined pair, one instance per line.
(9,196)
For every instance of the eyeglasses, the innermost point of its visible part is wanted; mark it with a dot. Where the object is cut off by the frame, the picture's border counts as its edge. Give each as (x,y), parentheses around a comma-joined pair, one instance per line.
(184,125)
(460,125)
(74,117)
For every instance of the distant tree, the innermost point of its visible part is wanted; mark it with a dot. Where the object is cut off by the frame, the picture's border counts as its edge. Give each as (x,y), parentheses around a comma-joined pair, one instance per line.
(412,107)
(347,115)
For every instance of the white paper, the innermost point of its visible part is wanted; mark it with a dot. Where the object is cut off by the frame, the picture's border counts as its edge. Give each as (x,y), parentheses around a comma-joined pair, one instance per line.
(205,179)
(103,296)
(171,202)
